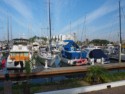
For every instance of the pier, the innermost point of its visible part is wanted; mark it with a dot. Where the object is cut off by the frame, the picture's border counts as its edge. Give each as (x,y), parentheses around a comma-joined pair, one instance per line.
(61,71)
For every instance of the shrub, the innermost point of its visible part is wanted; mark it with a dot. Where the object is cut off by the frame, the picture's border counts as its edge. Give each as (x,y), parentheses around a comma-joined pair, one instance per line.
(27,67)
(97,74)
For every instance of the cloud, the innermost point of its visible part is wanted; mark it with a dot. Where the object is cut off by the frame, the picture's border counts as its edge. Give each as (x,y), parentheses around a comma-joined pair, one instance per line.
(7,14)
(91,17)
(20,7)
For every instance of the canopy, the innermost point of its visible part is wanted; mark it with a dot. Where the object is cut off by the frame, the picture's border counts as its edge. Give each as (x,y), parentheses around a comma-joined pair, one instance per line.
(70,44)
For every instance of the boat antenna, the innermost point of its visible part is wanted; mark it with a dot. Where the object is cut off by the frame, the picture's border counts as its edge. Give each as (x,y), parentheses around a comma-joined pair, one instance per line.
(49,27)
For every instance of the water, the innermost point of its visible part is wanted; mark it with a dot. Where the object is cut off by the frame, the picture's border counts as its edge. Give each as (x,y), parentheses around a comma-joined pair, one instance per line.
(58,63)
(50,79)
(47,80)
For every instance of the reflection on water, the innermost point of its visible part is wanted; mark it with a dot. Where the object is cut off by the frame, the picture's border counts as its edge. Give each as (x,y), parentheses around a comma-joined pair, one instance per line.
(47,80)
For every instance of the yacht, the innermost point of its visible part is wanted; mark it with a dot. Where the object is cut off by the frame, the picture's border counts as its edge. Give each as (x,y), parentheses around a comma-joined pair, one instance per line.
(116,57)
(71,54)
(96,55)
(19,53)
(35,47)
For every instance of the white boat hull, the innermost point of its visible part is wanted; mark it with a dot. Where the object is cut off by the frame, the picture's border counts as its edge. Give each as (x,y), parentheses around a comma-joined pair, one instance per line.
(50,58)
(116,57)
(72,61)
(11,64)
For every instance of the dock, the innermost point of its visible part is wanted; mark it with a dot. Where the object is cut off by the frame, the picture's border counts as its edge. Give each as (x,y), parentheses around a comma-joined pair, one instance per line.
(50,72)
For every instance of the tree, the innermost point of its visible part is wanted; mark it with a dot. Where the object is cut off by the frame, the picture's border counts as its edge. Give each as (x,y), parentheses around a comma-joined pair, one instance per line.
(99,42)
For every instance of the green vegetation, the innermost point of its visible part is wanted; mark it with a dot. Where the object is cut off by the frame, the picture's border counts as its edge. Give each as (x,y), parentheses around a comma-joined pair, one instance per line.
(99,42)
(36,37)
(26,86)
(97,74)
(27,67)
(69,83)
(79,43)
(4,54)
(117,76)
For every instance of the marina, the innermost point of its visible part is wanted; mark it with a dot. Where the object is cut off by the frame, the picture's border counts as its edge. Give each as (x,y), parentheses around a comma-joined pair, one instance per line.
(48,45)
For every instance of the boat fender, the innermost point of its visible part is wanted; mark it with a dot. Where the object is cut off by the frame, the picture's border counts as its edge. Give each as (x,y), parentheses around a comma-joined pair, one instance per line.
(92,60)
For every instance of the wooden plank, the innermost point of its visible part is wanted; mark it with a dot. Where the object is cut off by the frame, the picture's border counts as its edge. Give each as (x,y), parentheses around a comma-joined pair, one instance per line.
(61,71)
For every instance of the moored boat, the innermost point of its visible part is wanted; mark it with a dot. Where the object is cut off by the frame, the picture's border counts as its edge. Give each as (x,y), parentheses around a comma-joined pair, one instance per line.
(71,54)
(96,55)
(19,54)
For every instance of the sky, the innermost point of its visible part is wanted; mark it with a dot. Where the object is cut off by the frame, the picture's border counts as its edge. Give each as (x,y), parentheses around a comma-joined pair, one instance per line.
(92,19)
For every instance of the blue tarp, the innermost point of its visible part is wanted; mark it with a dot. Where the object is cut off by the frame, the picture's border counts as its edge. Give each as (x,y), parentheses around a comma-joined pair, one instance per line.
(70,44)
(72,50)
(97,54)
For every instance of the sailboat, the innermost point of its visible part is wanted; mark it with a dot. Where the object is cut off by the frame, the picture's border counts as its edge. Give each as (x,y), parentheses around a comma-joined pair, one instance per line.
(49,57)
(119,56)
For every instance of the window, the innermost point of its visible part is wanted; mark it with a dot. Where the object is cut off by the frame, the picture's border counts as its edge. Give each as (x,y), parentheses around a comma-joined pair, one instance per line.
(12,54)
(25,54)
(21,54)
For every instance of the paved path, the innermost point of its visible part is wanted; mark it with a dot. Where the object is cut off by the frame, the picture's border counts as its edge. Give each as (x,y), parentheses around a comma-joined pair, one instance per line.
(116,90)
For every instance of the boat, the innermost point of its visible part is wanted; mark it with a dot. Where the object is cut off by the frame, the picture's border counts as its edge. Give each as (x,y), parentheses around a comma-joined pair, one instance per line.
(96,55)
(55,48)
(116,57)
(109,49)
(19,54)
(35,47)
(119,56)
(71,54)
(49,56)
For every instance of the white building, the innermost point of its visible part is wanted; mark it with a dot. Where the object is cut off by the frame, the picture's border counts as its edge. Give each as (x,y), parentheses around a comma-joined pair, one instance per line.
(62,37)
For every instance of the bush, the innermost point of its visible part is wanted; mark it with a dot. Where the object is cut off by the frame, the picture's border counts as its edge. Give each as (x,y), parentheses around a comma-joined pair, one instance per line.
(27,67)
(97,74)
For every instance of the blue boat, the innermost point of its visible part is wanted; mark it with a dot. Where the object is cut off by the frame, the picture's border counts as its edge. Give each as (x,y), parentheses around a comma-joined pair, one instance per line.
(71,54)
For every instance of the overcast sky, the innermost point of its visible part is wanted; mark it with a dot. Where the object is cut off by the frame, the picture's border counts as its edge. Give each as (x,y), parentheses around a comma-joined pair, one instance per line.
(87,18)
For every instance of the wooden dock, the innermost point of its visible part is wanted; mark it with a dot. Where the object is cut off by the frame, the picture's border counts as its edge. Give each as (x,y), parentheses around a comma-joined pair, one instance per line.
(61,71)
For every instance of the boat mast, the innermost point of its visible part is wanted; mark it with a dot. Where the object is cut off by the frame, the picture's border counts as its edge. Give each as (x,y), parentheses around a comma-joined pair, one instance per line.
(120,32)
(8,31)
(49,28)
(11,27)
(120,22)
